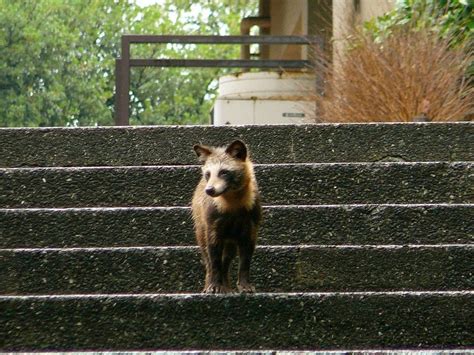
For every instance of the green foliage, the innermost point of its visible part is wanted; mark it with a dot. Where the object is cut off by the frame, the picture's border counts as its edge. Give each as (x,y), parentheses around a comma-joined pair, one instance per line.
(58,60)
(452,19)
(57,66)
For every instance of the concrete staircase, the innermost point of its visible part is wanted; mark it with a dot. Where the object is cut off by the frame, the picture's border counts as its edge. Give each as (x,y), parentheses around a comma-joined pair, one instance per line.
(367,241)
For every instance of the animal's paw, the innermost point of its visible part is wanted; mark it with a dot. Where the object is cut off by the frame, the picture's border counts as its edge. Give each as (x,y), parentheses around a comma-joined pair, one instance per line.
(217,288)
(245,287)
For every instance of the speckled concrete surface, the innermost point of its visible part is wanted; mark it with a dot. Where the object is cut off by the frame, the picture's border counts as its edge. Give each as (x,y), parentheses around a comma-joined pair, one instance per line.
(277,352)
(279,321)
(102,276)
(279,184)
(282,225)
(269,144)
(274,269)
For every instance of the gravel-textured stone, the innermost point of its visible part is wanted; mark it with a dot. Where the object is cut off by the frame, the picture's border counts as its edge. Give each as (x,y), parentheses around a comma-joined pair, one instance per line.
(274,269)
(371,183)
(384,209)
(282,225)
(261,321)
(160,145)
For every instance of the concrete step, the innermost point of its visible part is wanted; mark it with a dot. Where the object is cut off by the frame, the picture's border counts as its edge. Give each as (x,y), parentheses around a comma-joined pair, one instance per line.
(284,184)
(164,145)
(283,225)
(296,352)
(275,269)
(400,320)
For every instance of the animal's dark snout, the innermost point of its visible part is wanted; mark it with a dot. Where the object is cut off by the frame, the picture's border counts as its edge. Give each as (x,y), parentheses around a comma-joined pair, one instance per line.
(211,191)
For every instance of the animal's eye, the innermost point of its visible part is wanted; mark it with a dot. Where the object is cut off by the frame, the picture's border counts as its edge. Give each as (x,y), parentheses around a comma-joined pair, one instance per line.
(207,175)
(223,172)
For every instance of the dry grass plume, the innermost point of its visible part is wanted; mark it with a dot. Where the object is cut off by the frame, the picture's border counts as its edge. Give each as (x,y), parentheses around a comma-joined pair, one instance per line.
(411,75)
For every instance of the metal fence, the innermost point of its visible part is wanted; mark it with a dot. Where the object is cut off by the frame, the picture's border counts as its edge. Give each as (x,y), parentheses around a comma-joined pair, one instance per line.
(123,64)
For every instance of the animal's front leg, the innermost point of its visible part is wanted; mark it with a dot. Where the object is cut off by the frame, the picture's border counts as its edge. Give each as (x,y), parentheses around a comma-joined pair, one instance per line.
(229,253)
(216,275)
(246,250)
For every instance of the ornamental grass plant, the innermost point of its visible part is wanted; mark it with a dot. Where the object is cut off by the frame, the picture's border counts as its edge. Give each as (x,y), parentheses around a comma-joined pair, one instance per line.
(412,74)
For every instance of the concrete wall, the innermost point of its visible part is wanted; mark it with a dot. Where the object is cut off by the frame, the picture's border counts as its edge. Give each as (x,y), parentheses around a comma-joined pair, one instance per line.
(348,14)
(288,17)
(329,18)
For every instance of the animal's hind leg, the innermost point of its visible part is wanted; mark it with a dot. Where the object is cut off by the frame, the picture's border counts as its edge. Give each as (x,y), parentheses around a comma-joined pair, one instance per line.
(229,253)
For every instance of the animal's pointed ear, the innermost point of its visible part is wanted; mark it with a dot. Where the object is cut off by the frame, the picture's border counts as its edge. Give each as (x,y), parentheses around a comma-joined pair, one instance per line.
(237,150)
(202,152)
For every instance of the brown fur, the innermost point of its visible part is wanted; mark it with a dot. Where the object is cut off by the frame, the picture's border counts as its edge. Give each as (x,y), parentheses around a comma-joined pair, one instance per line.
(227,216)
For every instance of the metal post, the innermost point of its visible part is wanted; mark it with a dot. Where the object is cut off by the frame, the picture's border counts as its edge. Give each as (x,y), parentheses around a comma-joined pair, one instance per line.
(122,84)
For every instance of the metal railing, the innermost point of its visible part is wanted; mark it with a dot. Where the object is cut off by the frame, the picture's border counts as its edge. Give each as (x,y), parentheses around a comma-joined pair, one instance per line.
(123,64)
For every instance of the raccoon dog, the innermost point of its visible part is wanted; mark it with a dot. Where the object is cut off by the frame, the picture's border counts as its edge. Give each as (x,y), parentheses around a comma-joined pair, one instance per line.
(227,213)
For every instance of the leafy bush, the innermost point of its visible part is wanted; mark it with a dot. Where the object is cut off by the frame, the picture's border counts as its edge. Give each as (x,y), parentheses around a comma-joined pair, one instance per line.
(452,19)
(57,62)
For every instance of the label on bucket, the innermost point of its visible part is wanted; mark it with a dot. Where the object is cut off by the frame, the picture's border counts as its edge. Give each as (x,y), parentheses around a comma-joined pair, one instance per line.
(293,114)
